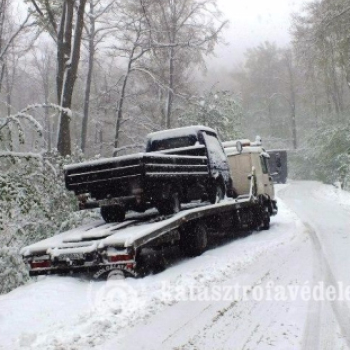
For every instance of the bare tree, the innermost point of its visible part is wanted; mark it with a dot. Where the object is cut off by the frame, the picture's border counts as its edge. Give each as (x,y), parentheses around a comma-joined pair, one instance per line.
(97,29)
(186,30)
(43,62)
(321,37)
(65,22)
(9,33)
(288,60)
(133,42)
(162,40)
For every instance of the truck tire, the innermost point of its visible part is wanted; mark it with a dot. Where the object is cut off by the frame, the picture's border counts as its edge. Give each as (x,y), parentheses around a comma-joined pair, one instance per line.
(170,205)
(194,240)
(265,218)
(149,264)
(216,192)
(113,213)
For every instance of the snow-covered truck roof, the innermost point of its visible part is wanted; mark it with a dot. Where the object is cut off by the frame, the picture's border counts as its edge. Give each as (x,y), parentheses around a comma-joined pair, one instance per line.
(232,151)
(243,142)
(179,132)
(278,150)
(244,146)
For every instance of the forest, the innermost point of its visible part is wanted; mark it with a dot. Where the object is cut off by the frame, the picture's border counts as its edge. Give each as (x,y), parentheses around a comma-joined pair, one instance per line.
(83,79)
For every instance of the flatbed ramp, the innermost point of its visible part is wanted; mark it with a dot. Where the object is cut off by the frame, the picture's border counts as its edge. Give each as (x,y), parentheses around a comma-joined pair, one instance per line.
(101,245)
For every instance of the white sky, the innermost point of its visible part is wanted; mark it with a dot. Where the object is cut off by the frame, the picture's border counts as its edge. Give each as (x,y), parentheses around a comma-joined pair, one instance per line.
(254,21)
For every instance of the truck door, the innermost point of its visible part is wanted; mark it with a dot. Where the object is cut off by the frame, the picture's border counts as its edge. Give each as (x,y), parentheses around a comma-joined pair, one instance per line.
(218,164)
(266,177)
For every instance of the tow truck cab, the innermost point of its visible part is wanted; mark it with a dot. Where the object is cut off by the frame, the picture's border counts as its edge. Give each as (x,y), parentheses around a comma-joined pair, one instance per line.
(248,159)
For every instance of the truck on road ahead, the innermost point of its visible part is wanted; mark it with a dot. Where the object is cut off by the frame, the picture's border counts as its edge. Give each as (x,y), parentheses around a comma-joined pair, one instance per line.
(278,165)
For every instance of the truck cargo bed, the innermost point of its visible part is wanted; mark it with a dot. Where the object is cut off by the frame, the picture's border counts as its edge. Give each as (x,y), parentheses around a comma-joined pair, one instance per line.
(113,176)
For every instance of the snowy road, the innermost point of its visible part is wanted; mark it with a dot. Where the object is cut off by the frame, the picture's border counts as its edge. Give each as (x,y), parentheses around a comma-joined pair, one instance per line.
(308,243)
(325,211)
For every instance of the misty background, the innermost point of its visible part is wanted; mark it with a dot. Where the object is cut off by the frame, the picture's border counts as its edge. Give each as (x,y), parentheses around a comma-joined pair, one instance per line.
(251,23)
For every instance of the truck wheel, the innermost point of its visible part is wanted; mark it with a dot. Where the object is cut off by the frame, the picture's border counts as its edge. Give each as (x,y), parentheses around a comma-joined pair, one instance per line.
(216,193)
(139,207)
(194,240)
(169,206)
(265,218)
(148,264)
(113,213)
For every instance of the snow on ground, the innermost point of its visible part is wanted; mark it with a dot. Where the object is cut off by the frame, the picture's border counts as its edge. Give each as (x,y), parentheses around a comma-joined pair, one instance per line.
(331,193)
(233,324)
(327,221)
(327,217)
(153,312)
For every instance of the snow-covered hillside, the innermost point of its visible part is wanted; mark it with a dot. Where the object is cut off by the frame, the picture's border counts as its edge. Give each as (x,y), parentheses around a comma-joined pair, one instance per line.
(208,302)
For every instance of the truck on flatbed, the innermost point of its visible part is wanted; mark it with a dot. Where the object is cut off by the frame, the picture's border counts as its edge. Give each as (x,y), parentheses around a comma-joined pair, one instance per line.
(178,166)
(125,246)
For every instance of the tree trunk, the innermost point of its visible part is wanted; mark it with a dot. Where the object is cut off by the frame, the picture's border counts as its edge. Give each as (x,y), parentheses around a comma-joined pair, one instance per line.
(120,104)
(8,91)
(8,104)
(85,121)
(292,99)
(294,126)
(70,72)
(119,111)
(338,100)
(63,46)
(335,89)
(328,94)
(314,92)
(47,122)
(3,13)
(172,31)
(161,108)
(328,82)
(170,88)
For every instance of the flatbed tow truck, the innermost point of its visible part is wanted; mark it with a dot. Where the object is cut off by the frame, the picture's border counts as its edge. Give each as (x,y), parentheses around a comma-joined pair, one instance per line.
(122,246)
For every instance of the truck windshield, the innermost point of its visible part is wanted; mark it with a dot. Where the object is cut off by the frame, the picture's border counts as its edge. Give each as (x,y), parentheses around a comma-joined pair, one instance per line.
(158,145)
